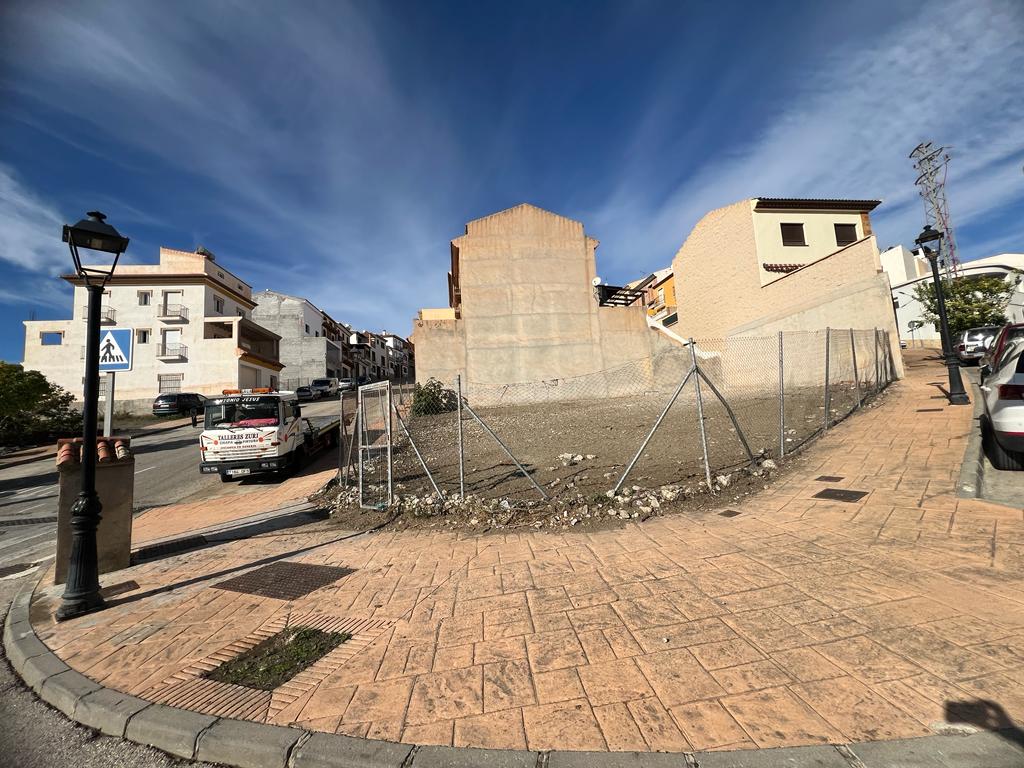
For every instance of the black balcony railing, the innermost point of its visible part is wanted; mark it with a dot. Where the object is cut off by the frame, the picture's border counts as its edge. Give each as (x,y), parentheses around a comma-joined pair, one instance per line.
(107,314)
(173,312)
(178,351)
(616,295)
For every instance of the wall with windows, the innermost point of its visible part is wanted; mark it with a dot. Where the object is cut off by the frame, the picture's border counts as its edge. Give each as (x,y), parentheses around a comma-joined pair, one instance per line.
(820,236)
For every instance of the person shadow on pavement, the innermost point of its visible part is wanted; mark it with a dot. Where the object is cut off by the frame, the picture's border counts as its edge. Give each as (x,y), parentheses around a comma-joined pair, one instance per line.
(985,714)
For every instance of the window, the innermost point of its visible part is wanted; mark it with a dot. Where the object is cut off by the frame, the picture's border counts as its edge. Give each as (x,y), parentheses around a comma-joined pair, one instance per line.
(51,338)
(317,334)
(240,313)
(307,327)
(170,382)
(218,305)
(142,336)
(145,297)
(220,274)
(792,234)
(845,234)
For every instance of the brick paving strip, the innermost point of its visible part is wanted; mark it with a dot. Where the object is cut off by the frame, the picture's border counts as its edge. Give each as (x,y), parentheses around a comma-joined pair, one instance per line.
(803,631)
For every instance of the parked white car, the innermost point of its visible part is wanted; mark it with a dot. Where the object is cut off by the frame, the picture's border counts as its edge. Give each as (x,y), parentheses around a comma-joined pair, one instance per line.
(1002,425)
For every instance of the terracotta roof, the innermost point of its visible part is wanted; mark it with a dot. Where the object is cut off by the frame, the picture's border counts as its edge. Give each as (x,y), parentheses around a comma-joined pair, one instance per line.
(108,449)
(783,268)
(812,204)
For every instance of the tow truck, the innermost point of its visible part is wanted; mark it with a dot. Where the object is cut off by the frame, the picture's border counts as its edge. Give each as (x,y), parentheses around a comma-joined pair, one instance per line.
(253,431)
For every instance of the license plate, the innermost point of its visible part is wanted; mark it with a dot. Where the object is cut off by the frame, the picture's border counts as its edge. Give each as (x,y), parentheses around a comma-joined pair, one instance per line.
(237,472)
(971,347)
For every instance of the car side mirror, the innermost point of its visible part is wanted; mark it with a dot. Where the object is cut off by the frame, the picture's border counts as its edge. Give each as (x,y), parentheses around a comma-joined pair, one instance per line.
(296,411)
(195,421)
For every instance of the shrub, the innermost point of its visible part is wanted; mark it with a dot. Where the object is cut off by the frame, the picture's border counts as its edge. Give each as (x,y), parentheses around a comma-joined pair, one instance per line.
(32,409)
(433,397)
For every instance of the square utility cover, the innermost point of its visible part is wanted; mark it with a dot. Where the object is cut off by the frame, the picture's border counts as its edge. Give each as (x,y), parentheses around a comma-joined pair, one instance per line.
(840,494)
(285,580)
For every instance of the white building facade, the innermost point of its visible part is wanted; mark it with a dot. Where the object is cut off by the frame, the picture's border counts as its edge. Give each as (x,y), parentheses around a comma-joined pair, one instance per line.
(191,332)
(312,343)
(906,270)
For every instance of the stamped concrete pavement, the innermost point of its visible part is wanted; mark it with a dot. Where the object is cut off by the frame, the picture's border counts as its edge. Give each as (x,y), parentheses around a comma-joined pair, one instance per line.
(896,614)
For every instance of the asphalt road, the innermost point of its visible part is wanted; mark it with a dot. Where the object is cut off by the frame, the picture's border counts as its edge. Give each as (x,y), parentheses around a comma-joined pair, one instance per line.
(166,472)
(32,735)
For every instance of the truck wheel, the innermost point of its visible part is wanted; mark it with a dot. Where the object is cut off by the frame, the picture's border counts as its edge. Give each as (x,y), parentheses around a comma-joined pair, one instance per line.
(999,456)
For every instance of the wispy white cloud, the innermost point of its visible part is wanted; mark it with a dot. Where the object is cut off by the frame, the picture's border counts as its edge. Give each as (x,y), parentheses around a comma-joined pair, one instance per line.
(29,229)
(950,73)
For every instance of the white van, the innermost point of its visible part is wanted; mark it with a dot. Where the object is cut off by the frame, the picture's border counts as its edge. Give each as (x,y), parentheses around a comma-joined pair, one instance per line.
(326,387)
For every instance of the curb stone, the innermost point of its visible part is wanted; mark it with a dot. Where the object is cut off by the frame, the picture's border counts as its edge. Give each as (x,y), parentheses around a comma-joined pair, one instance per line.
(173,730)
(108,711)
(63,691)
(325,750)
(245,744)
(468,757)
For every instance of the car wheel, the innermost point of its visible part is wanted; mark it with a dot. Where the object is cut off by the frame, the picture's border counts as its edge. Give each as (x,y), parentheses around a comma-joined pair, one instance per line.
(1000,457)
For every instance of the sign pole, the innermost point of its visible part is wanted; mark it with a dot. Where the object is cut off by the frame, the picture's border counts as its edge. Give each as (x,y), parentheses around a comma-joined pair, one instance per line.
(108,407)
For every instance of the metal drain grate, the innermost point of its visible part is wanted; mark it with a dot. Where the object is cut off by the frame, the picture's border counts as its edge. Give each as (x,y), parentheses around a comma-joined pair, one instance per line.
(284,580)
(829,478)
(27,521)
(929,410)
(729,513)
(840,494)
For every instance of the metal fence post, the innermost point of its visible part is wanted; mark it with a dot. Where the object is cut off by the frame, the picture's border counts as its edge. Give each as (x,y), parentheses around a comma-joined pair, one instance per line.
(343,434)
(828,358)
(856,374)
(700,416)
(462,459)
(782,399)
(878,373)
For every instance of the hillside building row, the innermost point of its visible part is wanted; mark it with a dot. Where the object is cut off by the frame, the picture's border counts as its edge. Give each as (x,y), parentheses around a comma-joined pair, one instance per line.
(198,327)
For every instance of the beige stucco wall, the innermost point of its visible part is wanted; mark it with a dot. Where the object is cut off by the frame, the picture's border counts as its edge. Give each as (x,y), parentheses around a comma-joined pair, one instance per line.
(819,233)
(528,310)
(720,292)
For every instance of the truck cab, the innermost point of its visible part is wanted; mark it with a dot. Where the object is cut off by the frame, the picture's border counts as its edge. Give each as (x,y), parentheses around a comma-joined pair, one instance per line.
(250,431)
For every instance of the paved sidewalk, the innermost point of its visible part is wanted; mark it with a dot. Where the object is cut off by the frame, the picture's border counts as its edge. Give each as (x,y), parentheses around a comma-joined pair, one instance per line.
(798,621)
(185,519)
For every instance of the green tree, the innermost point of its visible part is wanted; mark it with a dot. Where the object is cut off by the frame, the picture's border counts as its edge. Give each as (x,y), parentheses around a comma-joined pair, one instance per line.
(32,409)
(971,302)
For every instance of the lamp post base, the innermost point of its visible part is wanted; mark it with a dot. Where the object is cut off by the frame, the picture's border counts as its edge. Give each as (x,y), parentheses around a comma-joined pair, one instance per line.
(82,593)
(957,394)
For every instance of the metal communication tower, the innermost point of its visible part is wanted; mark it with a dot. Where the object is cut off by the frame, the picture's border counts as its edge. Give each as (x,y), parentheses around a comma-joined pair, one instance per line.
(931,164)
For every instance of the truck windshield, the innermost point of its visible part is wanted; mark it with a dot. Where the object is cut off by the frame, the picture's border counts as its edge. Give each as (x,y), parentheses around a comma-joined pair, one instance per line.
(248,412)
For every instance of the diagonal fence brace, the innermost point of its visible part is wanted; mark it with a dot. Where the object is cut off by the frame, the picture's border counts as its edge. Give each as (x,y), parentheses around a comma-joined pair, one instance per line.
(417,450)
(497,439)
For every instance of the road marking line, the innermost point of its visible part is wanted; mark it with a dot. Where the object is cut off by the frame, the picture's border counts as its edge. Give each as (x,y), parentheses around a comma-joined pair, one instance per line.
(26,509)
(139,472)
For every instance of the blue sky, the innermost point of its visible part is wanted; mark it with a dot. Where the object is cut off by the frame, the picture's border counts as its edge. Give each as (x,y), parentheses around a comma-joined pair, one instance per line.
(333,149)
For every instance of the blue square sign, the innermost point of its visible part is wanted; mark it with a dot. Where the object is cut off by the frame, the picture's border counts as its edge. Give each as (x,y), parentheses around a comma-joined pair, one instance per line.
(115,350)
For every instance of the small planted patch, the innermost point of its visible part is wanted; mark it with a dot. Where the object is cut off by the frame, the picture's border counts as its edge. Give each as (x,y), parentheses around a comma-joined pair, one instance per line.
(278,659)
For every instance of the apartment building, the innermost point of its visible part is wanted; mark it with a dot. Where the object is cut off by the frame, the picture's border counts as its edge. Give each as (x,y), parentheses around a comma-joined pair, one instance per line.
(313,344)
(192,331)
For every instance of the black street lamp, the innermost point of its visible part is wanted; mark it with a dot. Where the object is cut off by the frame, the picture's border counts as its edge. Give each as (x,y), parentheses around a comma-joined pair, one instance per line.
(82,590)
(957,395)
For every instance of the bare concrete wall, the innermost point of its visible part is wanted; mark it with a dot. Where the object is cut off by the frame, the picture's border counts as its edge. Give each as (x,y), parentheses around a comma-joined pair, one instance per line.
(528,311)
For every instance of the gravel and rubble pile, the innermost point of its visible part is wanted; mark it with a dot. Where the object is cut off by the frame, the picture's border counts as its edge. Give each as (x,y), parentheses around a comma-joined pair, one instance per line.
(446,510)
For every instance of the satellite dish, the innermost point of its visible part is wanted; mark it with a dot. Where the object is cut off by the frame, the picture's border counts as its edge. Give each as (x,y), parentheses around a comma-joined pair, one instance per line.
(596,281)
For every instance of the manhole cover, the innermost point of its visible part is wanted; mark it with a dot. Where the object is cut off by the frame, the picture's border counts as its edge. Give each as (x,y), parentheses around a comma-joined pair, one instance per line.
(840,494)
(285,581)
(828,478)
(729,513)
(27,521)
(929,410)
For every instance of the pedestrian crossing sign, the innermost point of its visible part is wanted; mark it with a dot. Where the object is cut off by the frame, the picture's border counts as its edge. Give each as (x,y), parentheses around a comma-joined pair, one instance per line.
(116,350)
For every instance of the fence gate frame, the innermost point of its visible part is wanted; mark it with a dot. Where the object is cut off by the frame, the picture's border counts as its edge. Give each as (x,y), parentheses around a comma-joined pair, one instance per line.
(373,449)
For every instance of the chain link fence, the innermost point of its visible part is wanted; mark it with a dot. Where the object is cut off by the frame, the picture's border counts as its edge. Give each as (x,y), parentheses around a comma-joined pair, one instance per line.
(684,416)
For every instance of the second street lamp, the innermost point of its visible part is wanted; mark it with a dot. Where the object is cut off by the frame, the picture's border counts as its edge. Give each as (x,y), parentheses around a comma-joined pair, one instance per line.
(82,591)
(956,395)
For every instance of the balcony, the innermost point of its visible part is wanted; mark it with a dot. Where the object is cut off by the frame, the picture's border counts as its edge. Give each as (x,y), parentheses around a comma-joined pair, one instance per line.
(616,295)
(173,313)
(107,314)
(171,352)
